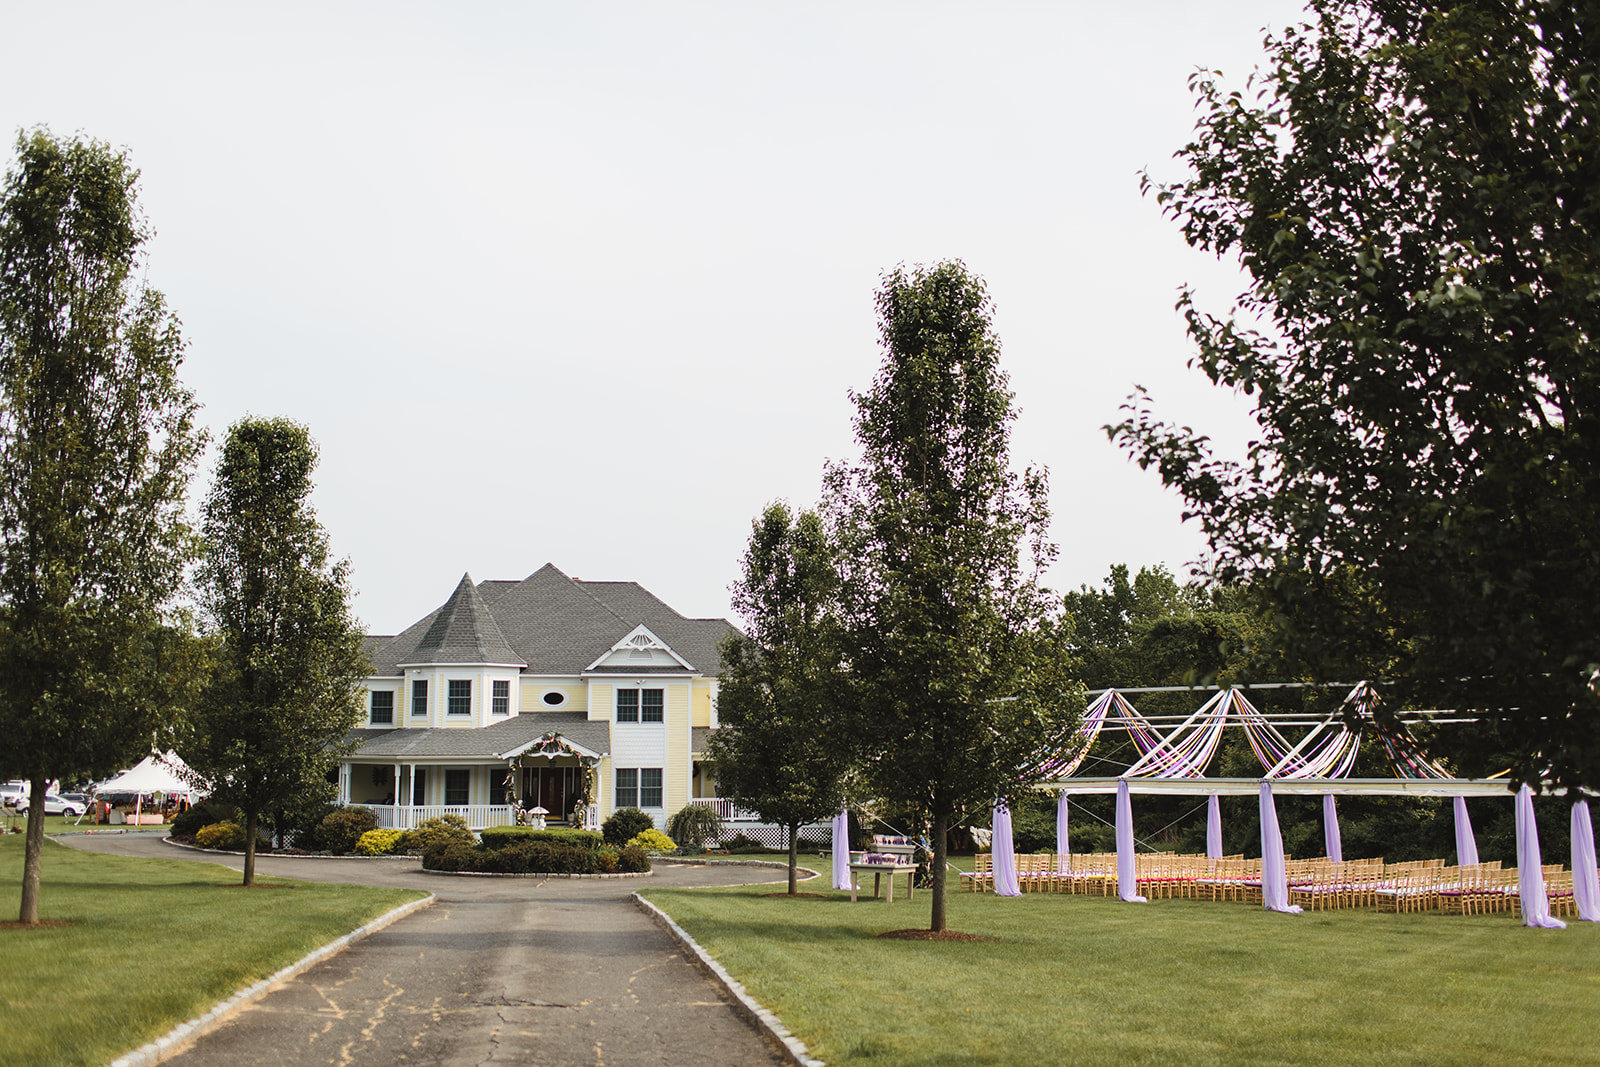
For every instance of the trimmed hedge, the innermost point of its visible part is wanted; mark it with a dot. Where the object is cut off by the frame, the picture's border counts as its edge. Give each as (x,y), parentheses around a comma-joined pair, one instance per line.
(497,837)
(534,857)
(227,837)
(379,842)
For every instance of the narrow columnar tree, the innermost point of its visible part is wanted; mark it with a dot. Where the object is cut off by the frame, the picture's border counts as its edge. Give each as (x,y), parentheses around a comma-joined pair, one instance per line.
(274,717)
(782,749)
(954,646)
(97,444)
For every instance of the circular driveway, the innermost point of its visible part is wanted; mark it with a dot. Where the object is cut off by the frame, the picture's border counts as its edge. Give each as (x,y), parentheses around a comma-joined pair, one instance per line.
(498,970)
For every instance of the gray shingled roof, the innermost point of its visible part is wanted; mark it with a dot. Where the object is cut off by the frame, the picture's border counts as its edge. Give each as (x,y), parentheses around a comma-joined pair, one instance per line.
(484,743)
(557,625)
(464,631)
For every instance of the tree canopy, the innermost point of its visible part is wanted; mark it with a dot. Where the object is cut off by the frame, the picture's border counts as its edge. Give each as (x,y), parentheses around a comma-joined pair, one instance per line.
(97,444)
(954,645)
(283,696)
(1413,188)
(783,747)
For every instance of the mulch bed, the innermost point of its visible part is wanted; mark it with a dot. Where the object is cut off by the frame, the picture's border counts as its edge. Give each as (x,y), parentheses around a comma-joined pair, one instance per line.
(933,935)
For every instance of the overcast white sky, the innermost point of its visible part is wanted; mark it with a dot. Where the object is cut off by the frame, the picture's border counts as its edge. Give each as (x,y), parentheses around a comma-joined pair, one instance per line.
(588,283)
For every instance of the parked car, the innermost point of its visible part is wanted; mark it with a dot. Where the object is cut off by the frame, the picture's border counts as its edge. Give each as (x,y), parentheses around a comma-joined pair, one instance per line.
(55,805)
(13,795)
(83,800)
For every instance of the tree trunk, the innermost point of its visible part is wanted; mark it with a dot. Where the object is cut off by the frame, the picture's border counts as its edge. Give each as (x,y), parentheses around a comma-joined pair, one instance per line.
(251,821)
(794,858)
(29,912)
(941,829)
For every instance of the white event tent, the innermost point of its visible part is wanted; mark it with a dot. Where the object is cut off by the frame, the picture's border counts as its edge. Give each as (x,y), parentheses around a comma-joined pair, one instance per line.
(162,773)
(1174,762)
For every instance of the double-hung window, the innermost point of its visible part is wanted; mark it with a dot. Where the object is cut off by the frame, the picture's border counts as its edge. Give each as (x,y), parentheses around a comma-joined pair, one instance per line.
(640,705)
(459,698)
(456,786)
(381,709)
(419,698)
(501,698)
(638,787)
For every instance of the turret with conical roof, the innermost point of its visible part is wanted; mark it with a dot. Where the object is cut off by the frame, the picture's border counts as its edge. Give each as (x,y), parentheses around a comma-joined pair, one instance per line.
(464,632)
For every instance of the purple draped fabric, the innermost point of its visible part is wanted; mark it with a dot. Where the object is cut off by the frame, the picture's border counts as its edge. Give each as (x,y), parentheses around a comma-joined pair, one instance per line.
(1466,844)
(1585,878)
(1274,873)
(841,852)
(1214,827)
(1063,842)
(1333,846)
(1530,877)
(1127,869)
(1005,856)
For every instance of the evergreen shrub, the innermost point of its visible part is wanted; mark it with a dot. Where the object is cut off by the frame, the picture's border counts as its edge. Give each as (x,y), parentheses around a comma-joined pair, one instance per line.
(379,842)
(633,859)
(654,842)
(694,825)
(205,813)
(624,825)
(341,829)
(495,837)
(436,831)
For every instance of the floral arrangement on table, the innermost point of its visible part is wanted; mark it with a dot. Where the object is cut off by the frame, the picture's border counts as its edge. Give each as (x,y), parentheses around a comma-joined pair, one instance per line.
(882,857)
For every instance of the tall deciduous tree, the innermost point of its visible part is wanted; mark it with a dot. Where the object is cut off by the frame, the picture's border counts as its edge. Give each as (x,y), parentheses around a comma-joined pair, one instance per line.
(97,444)
(782,749)
(283,697)
(1415,193)
(955,655)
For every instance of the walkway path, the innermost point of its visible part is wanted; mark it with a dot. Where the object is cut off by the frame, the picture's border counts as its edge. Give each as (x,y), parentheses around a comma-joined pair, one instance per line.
(499,970)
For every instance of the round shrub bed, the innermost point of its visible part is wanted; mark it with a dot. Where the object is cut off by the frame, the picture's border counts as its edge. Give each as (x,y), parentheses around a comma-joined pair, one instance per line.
(534,857)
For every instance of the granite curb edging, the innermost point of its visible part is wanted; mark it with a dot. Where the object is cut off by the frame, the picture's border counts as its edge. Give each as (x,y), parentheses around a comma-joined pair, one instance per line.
(282,855)
(180,1036)
(792,1048)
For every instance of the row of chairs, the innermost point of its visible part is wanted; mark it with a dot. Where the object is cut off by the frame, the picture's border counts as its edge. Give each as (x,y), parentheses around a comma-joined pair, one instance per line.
(1314,884)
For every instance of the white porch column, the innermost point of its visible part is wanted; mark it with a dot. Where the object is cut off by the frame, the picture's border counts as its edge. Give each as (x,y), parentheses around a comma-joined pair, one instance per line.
(344,783)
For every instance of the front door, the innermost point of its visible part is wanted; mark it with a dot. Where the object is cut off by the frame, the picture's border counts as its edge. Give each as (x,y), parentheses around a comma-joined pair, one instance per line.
(552,791)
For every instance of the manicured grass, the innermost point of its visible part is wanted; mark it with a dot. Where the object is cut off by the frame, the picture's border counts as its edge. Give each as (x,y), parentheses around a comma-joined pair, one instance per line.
(1091,980)
(147,944)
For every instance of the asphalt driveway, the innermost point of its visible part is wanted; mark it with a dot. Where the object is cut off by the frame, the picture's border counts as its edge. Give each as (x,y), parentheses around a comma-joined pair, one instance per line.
(499,970)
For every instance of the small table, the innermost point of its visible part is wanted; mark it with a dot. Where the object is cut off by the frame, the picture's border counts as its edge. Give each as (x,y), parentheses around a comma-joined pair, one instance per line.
(880,869)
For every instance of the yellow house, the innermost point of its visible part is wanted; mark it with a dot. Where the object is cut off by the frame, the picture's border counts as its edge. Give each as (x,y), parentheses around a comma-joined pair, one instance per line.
(550,692)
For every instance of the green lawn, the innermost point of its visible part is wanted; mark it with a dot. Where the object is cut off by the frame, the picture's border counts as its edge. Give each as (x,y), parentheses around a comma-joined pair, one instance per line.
(1092,980)
(147,944)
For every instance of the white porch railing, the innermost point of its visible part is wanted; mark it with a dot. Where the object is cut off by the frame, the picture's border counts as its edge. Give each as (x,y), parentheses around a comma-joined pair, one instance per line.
(408,817)
(721,805)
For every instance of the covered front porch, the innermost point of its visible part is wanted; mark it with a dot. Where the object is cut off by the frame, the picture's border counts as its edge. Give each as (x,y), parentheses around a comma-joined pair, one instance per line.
(493,776)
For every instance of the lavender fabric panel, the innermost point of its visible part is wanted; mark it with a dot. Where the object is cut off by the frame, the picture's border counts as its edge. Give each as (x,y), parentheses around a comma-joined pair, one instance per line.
(1585,878)
(1466,844)
(1332,845)
(1063,842)
(1530,878)
(1005,856)
(841,852)
(1274,874)
(1214,827)
(1127,871)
